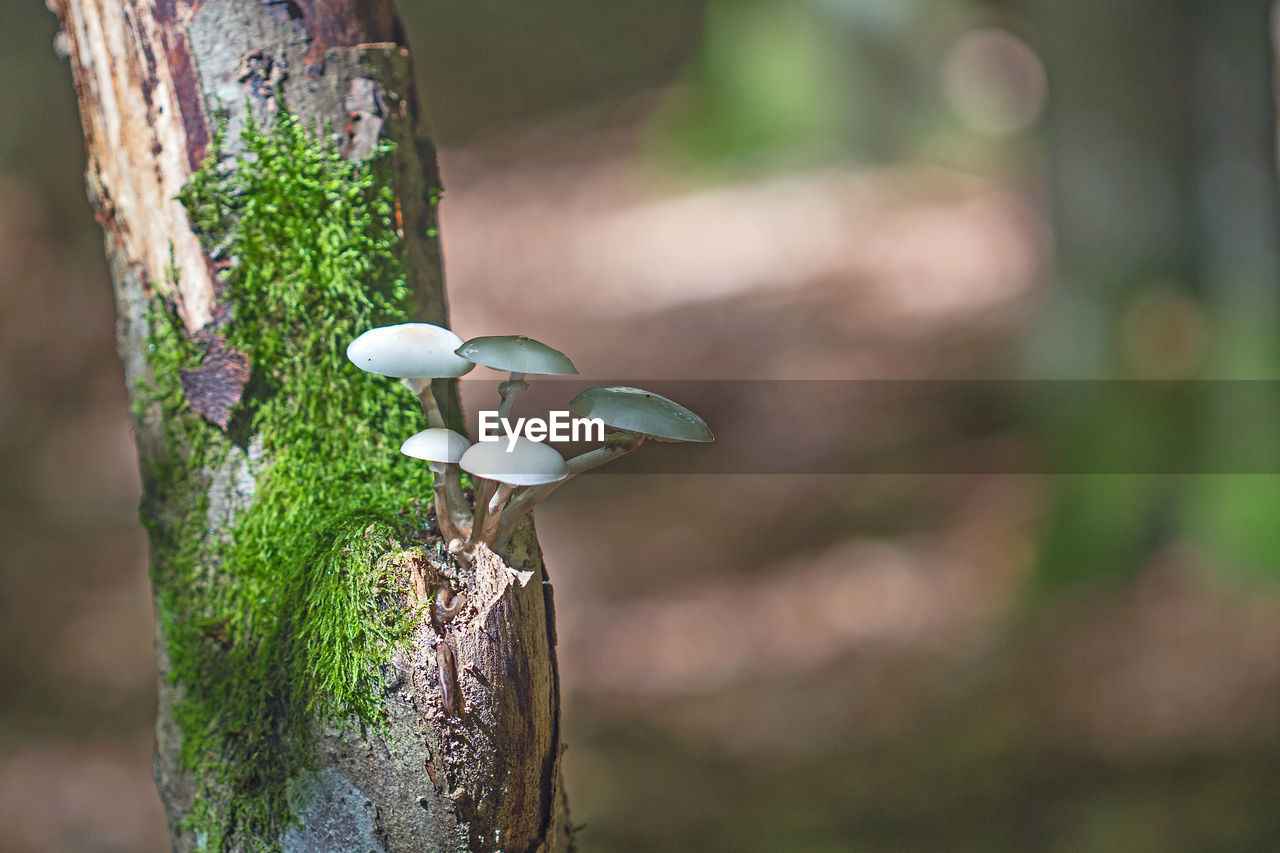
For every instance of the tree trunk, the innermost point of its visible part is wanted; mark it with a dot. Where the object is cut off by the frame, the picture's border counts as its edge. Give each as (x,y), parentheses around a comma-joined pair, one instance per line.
(310,698)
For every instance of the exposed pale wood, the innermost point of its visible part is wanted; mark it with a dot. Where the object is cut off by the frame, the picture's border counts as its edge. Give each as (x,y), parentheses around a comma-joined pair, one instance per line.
(142,144)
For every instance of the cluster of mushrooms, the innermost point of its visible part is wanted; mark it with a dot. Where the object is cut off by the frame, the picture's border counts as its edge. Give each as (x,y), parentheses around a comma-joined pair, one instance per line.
(510,477)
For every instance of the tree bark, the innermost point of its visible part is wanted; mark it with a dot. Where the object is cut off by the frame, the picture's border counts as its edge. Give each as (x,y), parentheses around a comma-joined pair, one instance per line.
(469,757)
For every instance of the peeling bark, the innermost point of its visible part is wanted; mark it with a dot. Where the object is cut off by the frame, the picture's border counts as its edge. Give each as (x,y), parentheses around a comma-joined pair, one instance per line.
(492,754)
(155,80)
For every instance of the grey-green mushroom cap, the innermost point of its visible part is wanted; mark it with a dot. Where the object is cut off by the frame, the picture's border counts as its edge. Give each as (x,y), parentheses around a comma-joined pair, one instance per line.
(517,354)
(639,411)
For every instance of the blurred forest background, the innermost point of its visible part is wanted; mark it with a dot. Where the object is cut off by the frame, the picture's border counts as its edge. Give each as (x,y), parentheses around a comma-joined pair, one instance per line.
(1001,660)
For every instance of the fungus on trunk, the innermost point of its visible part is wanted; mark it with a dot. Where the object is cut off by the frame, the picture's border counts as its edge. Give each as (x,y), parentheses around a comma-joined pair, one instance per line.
(635,415)
(417,353)
(442,448)
(518,355)
(511,478)
(519,465)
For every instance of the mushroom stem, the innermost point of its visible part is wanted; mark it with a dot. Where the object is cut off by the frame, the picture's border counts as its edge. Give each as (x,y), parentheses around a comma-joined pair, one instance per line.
(430,408)
(444,514)
(615,445)
(496,504)
(508,391)
(483,489)
(455,516)
(461,514)
(499,497)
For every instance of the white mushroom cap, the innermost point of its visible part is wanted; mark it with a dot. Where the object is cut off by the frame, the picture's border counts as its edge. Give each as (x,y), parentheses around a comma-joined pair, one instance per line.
(643,412)
(528,463)
(436,445)
(517,354)
(409,350)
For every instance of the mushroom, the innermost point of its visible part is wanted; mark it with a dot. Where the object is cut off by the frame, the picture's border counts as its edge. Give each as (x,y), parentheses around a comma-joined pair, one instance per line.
(442,448)
(416,353)
(636,415)
(521,464)
(641,412)
(518,355)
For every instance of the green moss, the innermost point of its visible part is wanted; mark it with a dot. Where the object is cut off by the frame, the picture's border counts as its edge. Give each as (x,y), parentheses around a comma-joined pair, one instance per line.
(284,620)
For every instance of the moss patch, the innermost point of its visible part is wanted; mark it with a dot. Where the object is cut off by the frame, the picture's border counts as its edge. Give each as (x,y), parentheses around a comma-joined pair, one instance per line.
(284,619)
